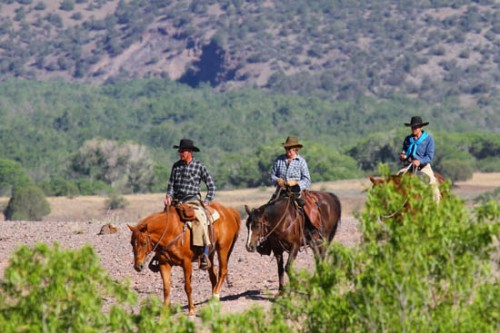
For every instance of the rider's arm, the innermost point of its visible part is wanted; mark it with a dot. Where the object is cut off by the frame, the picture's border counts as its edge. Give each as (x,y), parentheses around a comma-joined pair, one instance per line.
(207,179)
(305,177)
(425,151)
(275,170)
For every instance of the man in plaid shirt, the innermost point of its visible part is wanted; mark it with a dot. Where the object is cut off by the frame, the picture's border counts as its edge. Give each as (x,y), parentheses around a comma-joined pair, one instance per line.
(184,187)
(290,169)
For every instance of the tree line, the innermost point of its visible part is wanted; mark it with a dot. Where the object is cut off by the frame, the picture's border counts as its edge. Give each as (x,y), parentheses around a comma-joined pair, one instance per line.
(72,139)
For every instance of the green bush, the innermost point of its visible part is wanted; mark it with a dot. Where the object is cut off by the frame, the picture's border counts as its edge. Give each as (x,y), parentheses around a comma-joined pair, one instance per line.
(12,176)
(52,290)
(428,269)
(456,170)
(116,201)
(59,187)
(92,187)
(27,203)
(489,164)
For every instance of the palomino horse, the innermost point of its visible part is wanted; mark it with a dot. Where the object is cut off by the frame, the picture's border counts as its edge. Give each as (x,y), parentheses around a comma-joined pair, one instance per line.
(165,235)
(279,226)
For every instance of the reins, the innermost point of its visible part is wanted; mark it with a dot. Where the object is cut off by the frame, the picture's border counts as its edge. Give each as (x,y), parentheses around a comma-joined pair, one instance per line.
(264,238)
(157,244)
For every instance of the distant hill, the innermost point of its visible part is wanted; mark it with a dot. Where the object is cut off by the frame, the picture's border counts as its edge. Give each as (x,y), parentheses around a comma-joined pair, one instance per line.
(433,50)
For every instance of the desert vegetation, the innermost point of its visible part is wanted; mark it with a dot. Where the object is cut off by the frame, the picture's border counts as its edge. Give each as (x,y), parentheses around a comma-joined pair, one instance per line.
(432,268)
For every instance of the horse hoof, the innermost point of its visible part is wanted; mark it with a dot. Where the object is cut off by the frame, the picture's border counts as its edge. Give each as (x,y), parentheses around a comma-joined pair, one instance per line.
(216,297)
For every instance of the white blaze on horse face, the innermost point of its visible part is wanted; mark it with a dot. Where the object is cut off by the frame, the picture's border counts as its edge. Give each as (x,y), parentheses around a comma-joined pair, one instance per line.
(249,234)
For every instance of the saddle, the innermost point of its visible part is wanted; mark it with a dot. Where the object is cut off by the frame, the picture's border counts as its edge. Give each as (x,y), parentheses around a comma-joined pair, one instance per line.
(311,208)
(187,214)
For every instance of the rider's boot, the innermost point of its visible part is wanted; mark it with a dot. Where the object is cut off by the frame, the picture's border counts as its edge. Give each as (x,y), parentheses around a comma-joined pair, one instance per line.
(204,260)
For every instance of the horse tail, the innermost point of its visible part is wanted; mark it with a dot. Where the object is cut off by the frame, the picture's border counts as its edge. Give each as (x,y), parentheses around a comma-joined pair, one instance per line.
(338,207)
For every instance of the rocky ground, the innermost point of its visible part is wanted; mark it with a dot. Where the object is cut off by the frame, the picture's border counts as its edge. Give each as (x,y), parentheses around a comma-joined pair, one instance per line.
(252,278)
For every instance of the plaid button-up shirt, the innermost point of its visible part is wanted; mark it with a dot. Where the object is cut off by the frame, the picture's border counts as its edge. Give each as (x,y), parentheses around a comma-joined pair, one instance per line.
(185,180)
(296,170)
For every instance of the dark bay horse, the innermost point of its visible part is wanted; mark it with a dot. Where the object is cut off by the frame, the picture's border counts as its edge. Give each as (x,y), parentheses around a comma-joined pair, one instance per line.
(165,235)
(279,226)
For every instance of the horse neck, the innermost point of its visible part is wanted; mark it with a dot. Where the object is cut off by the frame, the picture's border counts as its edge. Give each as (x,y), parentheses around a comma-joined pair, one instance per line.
(276,212)
(164,224)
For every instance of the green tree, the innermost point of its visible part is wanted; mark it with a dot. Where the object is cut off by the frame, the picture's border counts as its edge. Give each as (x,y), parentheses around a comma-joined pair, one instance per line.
(127,167)
(12,176)
(27,203)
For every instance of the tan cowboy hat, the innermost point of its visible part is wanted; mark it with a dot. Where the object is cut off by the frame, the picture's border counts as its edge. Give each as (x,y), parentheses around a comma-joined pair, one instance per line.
(187,144)
(292,142)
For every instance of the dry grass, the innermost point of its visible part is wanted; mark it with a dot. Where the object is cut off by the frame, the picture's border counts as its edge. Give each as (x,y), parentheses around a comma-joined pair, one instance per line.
(352,194)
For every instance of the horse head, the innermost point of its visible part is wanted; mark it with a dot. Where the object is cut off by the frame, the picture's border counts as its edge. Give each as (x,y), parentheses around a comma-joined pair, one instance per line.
(256,225)
(141,245)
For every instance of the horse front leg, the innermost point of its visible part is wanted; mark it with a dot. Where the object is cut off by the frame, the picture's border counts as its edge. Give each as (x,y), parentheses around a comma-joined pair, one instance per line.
(187,267)
(165,272)
(291,258)
(281,271)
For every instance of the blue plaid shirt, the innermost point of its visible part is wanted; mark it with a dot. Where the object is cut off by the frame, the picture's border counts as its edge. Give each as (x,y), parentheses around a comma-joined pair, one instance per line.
(296,170)
(185,180)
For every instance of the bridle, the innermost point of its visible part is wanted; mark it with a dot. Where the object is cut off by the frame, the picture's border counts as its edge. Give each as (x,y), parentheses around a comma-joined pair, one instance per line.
(156,246)
(263,226)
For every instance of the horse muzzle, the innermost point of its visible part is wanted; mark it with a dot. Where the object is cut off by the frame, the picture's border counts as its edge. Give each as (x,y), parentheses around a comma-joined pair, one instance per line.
(139,267)
(251,248)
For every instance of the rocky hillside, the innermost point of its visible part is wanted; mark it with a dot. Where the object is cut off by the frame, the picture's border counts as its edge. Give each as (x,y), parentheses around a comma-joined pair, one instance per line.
(430,49)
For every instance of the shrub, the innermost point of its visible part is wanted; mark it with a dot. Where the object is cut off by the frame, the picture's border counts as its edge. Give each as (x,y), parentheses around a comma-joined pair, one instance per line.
(27,203)
(92,187)
(116,201)
(51,290)
(59,187)
(12,176)
(425,270)
(456,170)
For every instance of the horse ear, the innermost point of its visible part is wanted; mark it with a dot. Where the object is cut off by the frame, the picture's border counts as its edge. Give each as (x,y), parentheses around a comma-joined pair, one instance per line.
(247,210)
(376,181)
(132,228)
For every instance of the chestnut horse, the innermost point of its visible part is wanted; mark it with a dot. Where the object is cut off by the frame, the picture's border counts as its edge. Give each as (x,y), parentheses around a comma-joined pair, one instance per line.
(397,181)
(165,235)
(279,226)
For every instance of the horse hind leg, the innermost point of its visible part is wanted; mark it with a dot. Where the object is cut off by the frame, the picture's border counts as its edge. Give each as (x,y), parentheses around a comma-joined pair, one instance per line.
(223,264)
(212,273)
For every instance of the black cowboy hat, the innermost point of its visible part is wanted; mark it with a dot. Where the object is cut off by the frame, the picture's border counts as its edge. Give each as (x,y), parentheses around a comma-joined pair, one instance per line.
(292,142)
(416,122)
(186,144)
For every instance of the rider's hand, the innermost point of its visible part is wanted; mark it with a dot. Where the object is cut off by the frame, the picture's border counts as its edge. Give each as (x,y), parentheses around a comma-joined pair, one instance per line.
(402,156)
(168,200)
(281,182)
(292,183)
(415,163)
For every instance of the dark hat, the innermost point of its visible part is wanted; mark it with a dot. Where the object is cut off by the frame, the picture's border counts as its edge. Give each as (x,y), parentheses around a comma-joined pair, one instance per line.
(416,122)
(292,141)
(187,145)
